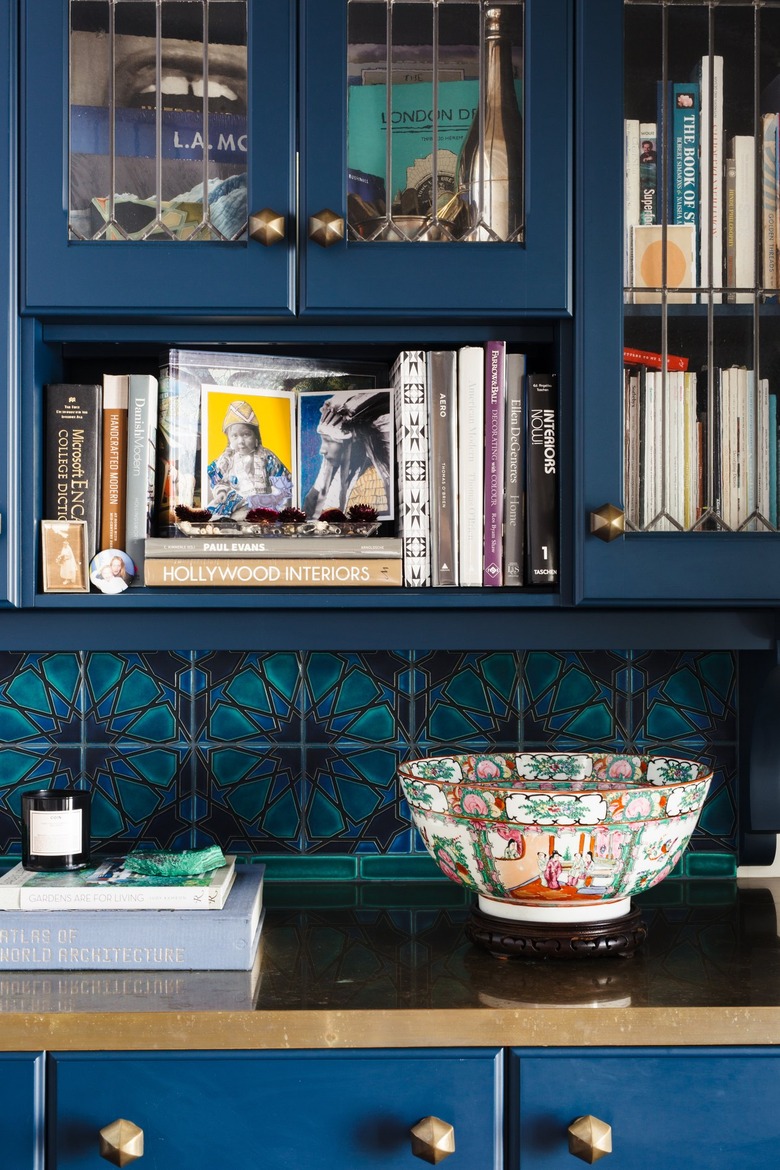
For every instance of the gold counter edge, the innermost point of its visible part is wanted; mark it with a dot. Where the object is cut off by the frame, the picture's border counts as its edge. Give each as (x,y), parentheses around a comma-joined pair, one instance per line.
(436,1028)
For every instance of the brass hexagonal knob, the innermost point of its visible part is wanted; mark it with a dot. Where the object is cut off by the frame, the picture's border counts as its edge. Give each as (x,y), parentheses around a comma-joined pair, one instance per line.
(589,1138)
(326,228)
(121,1142)
(433,1140)
(267,227)
(607,522)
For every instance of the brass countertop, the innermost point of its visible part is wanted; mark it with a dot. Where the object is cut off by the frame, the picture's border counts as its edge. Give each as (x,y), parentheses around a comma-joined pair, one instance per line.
(373,966)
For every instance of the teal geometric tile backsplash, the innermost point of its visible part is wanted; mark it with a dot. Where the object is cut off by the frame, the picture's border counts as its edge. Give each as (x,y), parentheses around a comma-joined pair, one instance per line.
(293,756)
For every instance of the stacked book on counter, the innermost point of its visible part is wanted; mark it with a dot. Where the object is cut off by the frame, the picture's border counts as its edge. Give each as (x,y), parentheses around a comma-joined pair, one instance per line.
(105,918)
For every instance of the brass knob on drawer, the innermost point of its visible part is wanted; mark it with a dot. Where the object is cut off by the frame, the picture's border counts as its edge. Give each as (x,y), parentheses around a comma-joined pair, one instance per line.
(121,1142)
(267,227)
(326,228)
(589,1138)
(433,1140)
(607,522)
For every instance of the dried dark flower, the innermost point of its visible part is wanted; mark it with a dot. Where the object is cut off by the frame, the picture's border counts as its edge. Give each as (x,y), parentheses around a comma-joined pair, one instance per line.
(262,515)
(363,513)
(332,515)
(194,515)
(292,516)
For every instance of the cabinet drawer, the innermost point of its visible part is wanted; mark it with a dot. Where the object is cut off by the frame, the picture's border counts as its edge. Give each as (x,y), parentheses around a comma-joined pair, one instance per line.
(682,1107)
(278,1110)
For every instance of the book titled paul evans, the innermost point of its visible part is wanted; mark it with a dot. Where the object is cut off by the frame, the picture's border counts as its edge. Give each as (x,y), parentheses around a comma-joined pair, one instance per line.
(122,940)
(72,438)
(542,480)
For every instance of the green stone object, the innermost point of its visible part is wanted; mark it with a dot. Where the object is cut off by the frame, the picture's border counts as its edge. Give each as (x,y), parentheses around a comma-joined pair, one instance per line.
(185,863)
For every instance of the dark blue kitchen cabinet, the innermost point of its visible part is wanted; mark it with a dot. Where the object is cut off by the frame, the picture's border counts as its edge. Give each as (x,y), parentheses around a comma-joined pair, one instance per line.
(22,1110)
(279,1110)
(8,330)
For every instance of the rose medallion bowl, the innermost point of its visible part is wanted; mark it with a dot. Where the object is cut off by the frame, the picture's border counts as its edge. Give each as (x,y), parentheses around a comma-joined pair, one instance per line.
(556,841)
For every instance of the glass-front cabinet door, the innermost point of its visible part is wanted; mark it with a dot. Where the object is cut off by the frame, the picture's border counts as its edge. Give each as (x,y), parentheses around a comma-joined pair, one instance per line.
(696,474)
(177,157)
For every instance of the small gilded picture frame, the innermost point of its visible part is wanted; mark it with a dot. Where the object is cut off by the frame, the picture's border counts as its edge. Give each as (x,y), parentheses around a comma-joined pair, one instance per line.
(64,556)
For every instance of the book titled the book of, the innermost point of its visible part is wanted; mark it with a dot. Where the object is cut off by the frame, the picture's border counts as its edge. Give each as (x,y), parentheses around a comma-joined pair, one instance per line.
(123,940)
(111,886)
(495,412)
(409,379)
(226,572)
(542,480)
(471,463)
(514,470)
(184,372)
(443,422)
(114,466)
(141,447)
(73,445)
(275,547)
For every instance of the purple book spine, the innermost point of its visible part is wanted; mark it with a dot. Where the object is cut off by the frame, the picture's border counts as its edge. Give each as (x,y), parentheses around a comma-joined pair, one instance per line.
(495,393)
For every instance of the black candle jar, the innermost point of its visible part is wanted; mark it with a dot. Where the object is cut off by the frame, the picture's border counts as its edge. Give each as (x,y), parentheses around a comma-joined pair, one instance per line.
(55,829)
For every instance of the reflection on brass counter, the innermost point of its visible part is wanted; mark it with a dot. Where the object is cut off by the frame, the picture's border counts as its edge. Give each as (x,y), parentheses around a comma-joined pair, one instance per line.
(350,973)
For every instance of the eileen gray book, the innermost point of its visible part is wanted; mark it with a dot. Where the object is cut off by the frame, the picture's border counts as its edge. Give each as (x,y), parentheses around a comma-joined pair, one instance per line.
(123,940)
(109,886)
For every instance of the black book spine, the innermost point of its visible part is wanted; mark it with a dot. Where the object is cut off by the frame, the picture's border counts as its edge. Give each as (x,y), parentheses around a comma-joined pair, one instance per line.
(72,438)
(542,456)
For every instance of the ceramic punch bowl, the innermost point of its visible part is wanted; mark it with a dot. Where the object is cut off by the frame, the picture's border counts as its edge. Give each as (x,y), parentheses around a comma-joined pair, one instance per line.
(555,837)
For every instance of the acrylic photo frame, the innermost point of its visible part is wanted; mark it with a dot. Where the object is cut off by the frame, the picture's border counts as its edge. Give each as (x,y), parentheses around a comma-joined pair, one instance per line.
(346,451)
(64,560)
(248,449)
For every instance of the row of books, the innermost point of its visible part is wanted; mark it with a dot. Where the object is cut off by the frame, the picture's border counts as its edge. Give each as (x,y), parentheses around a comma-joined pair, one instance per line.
(689,461)
(477,439)
(693,212)
(106,918)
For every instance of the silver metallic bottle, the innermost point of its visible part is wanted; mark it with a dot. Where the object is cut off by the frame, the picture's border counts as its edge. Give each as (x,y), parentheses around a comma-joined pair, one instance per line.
(490,180)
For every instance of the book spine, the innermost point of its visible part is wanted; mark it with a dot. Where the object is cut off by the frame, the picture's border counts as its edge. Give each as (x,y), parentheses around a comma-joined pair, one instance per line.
(471,462)
(645,357)
(648,172)
(72,430)
(141,445)
(772,439)
(443,421)
(495,394)
(631,190)
(743,153)
(409,378)
(178,425)
(275,546)
(684,194)
(514,472)
(769,202)
(224,572)
(114,487)
(542,479)
(711,167)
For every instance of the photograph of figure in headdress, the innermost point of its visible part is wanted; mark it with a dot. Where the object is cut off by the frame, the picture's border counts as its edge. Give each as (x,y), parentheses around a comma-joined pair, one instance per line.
(346,451)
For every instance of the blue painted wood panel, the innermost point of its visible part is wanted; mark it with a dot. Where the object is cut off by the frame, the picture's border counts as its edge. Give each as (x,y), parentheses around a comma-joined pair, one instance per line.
(667,1107)
(21,1111)
(8,327)
(278,1110)
(156,277)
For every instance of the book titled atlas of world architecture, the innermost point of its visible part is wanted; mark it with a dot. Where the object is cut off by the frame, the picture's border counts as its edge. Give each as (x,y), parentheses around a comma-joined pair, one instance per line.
(127,940)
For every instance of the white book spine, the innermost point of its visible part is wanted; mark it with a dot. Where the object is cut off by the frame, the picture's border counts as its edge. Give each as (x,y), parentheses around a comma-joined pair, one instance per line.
(711,173)
(141,454)
(471,460)
(743,148)
(631,191)
(409,380)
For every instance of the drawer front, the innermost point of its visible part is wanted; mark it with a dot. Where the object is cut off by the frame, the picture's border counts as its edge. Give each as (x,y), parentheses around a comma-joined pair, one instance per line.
(21,1111)
(693,1108)
(275,1111)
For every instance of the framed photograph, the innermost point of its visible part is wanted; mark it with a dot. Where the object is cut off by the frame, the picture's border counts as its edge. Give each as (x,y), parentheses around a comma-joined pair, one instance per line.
(346,451)
(64,556)
(248,455)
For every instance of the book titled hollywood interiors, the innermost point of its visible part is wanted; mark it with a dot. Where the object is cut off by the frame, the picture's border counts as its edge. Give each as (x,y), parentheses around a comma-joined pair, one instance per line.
(231,571)
(110,886)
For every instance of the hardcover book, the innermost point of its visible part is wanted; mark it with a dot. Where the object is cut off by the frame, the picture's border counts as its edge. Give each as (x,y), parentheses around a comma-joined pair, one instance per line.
(514,470)
(141,447)
(495,395)
(631,189)
(443,420)
(769,197)
(224,572)
(119,940)
(409,378)
(274,546)
(743,152)
(184,372)
(709,75)
(665,257)
(114,466)
(110,886)
(542,480)
(73,445)
(648,172)
(471,462)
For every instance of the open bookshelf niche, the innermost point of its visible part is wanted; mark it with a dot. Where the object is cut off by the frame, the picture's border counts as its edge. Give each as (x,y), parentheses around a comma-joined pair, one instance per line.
(702,192)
